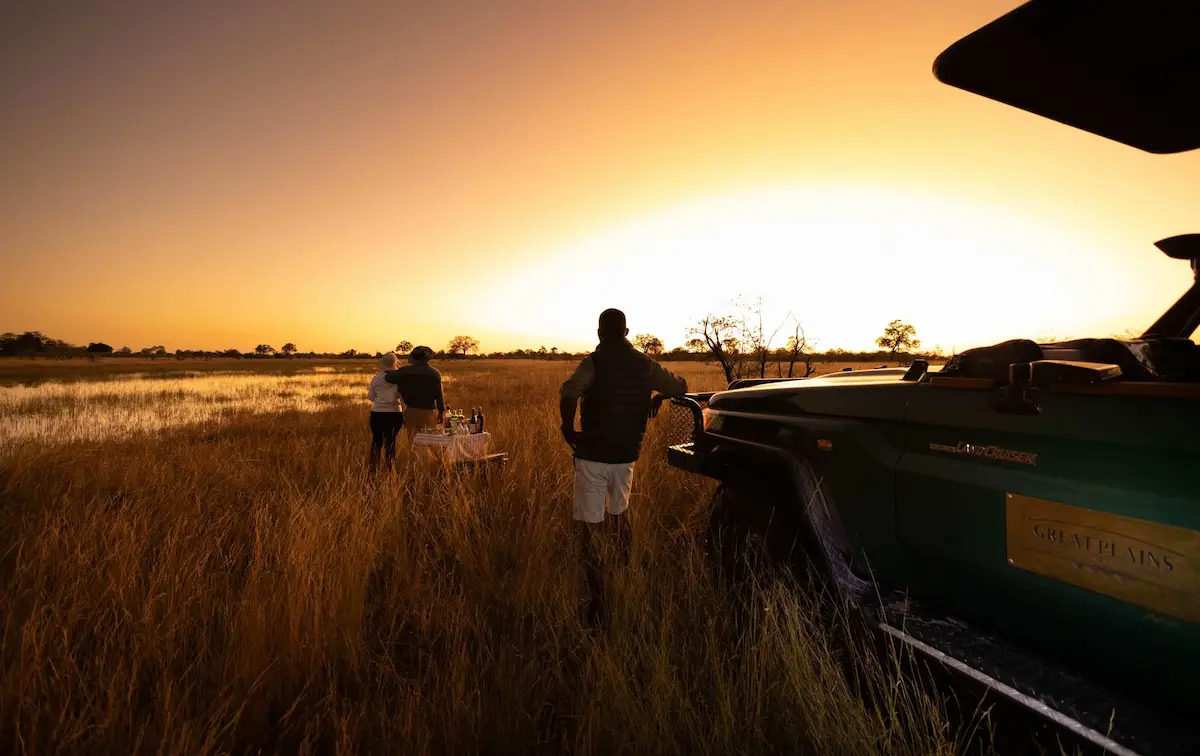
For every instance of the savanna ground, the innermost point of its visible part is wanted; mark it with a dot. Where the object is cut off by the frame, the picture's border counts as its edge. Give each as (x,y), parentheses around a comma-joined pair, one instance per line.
(199,564)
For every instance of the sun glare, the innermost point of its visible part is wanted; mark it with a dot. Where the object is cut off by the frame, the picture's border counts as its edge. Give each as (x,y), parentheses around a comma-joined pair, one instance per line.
(845,260)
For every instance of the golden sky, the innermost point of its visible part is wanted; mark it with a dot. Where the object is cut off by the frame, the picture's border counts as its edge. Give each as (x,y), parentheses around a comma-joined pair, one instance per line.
(217,174)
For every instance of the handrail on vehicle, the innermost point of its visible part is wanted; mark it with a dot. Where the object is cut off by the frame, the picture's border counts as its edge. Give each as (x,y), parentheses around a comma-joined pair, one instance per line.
(689,403)
(697,411)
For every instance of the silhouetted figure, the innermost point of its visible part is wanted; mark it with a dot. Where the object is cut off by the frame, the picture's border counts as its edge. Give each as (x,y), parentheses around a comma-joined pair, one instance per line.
(615,383)
(420,386)
(387,417)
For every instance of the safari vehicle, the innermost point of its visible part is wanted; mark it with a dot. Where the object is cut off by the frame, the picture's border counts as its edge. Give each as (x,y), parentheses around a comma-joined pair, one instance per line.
(1029,514)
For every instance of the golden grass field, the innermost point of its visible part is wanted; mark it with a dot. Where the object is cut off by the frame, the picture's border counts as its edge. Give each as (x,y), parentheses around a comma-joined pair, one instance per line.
(229,580)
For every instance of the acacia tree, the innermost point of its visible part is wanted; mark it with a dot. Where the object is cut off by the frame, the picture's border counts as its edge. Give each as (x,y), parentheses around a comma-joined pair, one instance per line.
(288,349)
(462,345)
(648,343)
(404,347)
(898,336)
(264,349)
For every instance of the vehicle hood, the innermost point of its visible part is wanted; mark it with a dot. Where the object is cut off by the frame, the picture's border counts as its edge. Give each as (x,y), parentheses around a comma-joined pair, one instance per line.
(862,394)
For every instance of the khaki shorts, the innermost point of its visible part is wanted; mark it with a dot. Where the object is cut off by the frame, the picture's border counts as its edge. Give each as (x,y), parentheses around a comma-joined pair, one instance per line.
(600,487)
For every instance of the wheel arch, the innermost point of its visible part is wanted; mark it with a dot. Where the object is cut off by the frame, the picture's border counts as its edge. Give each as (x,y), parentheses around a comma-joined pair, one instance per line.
(796,476)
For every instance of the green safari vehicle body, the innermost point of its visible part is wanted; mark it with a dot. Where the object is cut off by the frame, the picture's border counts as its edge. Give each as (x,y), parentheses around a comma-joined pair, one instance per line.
(1045,497)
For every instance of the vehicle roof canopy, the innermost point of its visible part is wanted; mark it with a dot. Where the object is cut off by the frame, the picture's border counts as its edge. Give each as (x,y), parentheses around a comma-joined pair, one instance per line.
(1128,70)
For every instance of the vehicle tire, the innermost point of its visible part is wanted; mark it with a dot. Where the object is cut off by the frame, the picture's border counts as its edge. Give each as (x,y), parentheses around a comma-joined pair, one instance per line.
(770,529)
(751,533)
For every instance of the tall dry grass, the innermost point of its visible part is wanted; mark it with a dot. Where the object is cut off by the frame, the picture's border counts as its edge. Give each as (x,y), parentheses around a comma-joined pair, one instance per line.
(246,589)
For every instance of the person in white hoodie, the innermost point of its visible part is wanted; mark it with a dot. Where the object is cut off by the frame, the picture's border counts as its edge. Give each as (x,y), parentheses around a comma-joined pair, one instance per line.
(387,414)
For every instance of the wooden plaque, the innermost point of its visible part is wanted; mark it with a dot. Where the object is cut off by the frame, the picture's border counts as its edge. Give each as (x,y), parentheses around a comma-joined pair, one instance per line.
(1144,563)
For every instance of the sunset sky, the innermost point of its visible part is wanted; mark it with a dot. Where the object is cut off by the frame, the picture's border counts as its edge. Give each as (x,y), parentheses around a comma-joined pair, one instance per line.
(220,174)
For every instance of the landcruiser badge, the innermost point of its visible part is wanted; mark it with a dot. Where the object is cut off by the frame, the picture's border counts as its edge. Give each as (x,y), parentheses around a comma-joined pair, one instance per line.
(987,452)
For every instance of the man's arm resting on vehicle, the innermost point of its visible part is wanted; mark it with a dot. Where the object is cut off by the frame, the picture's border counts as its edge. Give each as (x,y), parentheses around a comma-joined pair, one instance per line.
(572,389)
(665,382)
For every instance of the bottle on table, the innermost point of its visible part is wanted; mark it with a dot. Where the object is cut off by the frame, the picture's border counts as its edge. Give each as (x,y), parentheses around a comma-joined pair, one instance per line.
(473,424)
(479,421)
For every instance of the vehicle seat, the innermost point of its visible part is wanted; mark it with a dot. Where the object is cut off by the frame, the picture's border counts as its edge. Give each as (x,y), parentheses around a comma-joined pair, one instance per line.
(1155,359)
(1134,363)
(992,361)
(1171,359)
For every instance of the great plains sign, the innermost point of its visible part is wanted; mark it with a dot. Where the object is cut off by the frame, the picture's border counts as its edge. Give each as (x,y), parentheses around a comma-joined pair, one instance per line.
(1144,563)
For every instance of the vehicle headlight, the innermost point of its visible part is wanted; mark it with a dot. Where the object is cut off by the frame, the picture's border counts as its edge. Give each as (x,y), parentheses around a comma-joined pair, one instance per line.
(712,419)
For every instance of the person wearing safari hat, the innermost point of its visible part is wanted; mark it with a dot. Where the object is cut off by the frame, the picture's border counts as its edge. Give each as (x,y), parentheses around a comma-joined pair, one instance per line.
(387,414)
(615,384)
(420,386)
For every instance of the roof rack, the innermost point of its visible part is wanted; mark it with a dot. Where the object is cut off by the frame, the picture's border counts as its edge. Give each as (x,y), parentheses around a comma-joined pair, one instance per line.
(1122,69)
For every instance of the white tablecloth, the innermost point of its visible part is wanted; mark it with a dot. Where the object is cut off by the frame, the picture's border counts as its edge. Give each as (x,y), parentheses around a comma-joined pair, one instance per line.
(468,446)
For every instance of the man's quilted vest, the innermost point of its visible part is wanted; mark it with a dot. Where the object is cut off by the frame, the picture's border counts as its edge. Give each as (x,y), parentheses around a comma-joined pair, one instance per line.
(616,405)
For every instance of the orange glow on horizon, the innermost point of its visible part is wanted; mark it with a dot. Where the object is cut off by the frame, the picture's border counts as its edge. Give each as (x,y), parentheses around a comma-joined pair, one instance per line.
(224,174)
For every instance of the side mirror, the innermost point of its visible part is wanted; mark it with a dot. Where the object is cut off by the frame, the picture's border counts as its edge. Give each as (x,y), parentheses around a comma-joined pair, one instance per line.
(1182,318)
(917,369)
(1182,247)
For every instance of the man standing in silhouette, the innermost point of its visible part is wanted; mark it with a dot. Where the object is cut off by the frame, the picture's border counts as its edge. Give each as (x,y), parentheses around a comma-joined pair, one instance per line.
(615,383)
(420,386)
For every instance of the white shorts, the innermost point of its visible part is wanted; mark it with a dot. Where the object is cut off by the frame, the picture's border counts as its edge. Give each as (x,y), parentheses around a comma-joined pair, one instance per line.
(600,486)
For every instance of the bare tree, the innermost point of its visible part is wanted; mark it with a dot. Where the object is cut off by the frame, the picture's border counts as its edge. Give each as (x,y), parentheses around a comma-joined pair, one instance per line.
(648,343)
(898,336)
(462,345)
(717,333)
(738,342)
(754,339)
(798,351)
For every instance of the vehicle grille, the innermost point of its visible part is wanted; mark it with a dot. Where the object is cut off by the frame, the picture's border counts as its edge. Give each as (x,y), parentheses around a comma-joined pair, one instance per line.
(684,422)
